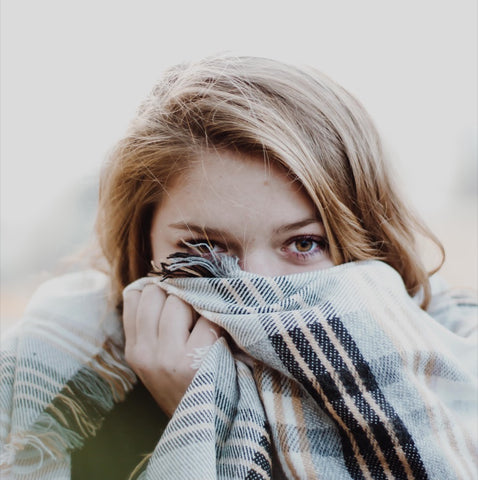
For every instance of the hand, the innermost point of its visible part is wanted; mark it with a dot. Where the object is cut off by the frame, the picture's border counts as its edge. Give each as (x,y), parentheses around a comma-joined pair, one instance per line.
(162,333)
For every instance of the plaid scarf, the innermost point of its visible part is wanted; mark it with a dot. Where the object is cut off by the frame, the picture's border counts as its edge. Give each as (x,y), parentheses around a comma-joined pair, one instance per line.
(351,379)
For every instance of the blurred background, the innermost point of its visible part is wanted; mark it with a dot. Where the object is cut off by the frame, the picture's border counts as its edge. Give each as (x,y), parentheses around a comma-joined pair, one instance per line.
(73,74)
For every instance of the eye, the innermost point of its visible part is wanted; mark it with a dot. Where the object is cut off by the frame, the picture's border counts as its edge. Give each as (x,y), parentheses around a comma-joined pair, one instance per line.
(305,246)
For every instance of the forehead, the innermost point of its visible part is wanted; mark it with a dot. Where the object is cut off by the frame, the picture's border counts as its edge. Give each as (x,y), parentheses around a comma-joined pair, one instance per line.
(223,185)
(226,172)
(219,165)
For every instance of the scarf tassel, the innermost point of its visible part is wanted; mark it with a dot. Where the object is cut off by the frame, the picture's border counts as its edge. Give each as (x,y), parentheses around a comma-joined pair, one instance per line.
(74,414)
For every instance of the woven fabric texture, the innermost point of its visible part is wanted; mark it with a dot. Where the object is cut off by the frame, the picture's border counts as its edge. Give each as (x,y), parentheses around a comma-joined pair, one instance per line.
(350,379)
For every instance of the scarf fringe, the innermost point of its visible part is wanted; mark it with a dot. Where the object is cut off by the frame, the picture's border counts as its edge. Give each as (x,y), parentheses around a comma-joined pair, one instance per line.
(208,265)
(140,472)
(75,413)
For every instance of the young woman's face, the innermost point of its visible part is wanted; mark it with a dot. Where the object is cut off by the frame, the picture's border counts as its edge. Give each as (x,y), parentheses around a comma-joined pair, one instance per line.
(241,206)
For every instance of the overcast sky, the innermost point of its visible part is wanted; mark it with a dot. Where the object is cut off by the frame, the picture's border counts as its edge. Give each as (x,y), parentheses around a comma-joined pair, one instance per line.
(73,73)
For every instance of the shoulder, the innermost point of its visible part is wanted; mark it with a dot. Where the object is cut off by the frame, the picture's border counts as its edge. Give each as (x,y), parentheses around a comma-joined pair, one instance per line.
(77,286)
(76,301)
(62,369)
(456,309)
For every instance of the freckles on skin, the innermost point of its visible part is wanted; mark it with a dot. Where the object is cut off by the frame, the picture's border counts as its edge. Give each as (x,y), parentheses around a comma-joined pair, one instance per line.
(242,204)
(223,191)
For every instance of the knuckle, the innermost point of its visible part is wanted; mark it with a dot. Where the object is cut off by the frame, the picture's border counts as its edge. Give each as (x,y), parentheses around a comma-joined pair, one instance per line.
(152,291)
(128,294)
(208,329)
(131,296)
(176,303)
(150,288)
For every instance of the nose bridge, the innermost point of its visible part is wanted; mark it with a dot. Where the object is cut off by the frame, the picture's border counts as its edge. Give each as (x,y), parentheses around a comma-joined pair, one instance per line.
(258,261)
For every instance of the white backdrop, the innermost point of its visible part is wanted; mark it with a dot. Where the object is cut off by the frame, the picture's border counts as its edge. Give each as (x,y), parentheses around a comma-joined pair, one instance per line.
(73,73)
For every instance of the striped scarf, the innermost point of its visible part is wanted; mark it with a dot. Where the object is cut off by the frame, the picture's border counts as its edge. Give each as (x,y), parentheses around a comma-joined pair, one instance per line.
(350,379)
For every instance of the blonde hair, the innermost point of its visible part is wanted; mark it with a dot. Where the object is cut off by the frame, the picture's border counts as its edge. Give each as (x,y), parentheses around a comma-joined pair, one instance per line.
(297,118)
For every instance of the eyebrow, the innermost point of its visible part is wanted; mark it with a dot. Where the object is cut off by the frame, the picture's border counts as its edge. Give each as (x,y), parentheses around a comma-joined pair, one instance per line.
(296,225)
(191,227)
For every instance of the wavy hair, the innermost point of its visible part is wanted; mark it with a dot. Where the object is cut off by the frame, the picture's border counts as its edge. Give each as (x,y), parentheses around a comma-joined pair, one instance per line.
(297,118)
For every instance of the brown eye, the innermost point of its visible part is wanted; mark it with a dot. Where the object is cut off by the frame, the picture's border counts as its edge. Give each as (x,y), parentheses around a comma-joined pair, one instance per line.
(304,245)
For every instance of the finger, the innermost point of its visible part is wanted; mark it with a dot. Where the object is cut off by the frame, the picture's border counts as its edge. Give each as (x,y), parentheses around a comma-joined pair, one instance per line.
(148,314)
(177,319)
(205,333)
(130,307)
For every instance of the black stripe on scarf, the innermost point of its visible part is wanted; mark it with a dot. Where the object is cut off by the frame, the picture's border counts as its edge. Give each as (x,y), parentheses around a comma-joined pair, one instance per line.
(261,460)
(332,392)
(367,377)
(326,383)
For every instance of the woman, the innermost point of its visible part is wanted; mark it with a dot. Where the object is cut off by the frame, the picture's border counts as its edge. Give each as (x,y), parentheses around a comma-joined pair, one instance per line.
(300,351)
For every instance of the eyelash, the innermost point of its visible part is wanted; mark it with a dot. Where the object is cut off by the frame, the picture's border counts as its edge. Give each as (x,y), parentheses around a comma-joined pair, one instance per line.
(321,245)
